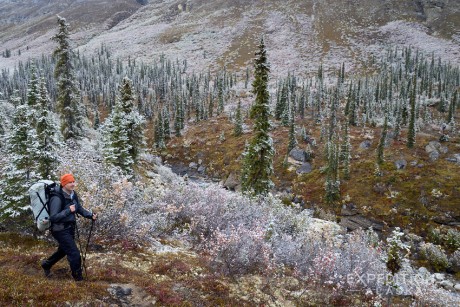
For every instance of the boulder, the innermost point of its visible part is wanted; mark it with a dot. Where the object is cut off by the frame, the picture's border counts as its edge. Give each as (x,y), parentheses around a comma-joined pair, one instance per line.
(439,276)
(232,182)
(434,155)
(432,146)
(179,169)
(297,154)
(120,290)
(443,149)
(193,165)
(305,168)
(365,144)
(423,271)
(457,287)
(446,220)
(349,210)
(358,221)
(455,158)
(400,164)
(201,169)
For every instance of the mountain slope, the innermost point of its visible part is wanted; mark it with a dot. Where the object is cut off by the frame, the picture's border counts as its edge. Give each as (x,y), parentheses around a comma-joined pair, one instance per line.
(300,34)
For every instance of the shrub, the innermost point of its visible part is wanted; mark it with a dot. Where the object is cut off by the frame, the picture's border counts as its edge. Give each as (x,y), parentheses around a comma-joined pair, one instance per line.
(435,256)
(455,261)
(452,239)
(435,235)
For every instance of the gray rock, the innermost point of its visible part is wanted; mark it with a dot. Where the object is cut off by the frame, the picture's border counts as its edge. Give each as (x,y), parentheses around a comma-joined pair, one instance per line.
(297,154)
(454,159)
(457,287)
(358,221)
(432,146)
(434,155)
(179,169)
(232,182)
(423,271)
(349,210)
(439,276)
(120,290)
(201,169)
(435,144)
(400,164)
(193,165)
(365,145)
(443,149)
(446,219)
(305,168)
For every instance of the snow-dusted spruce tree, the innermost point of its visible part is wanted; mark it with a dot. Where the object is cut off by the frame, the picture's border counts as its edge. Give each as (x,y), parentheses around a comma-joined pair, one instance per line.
(258,159)
(32,97)
(381,147)
(452,109)
(238,129)
(281,102)
(159,140)
(116,146)
(46,134)
(166,124)
(332,184)
(411,132)
(345,152)
(292,139)
(68,100)
(132,119)
(18,174)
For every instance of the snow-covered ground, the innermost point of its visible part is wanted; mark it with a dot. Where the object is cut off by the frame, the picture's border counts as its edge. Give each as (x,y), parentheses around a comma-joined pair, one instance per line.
(209,36)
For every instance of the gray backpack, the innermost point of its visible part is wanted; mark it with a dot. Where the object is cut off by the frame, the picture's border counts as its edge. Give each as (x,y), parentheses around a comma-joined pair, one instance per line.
(40,194)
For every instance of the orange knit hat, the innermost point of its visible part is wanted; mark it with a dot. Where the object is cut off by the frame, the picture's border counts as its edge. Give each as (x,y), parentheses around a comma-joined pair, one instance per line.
(67,178)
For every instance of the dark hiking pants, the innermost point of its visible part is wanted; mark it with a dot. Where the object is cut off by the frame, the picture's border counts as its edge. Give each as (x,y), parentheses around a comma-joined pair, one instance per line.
(67,247)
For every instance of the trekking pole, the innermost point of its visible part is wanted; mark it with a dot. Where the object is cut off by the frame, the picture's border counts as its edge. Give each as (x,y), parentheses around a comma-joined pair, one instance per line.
(79,244)
(87,245)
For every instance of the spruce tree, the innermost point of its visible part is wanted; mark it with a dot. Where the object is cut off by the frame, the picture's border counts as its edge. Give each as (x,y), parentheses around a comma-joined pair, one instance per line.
(32,97)
(452,108)
(411,132)
(159,132)
(345,152)
(381,147)
(131,118)
(68,97)
(258,159)
(332,184)
(18,174)
(117,147)
(292,139)
(46,134)
(282,102)
(166,124)
(238,130)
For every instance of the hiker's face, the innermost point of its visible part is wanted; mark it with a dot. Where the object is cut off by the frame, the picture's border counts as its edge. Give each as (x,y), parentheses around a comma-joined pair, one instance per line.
(70,186)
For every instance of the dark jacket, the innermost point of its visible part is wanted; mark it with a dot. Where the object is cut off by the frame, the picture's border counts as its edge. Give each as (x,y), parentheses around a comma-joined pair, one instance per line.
(60,215)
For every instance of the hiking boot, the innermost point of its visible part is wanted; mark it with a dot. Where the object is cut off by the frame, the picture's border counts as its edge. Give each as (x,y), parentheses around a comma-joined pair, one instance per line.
(77,275)
(46,268)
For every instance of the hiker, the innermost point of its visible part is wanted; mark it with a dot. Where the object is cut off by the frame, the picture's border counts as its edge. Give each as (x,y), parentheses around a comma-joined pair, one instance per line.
(64,205)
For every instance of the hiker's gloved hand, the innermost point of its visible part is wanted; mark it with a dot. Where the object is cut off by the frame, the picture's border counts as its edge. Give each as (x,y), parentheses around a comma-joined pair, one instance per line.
(72,208)
(94,216)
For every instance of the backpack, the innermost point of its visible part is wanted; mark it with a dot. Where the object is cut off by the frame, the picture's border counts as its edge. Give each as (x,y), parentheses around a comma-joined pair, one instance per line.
(40,194)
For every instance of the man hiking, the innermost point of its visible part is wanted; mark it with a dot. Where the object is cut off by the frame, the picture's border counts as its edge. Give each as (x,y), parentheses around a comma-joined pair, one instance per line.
(64,205)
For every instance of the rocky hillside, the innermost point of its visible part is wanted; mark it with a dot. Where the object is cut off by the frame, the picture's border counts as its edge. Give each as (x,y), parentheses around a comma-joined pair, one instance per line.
(299,34)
